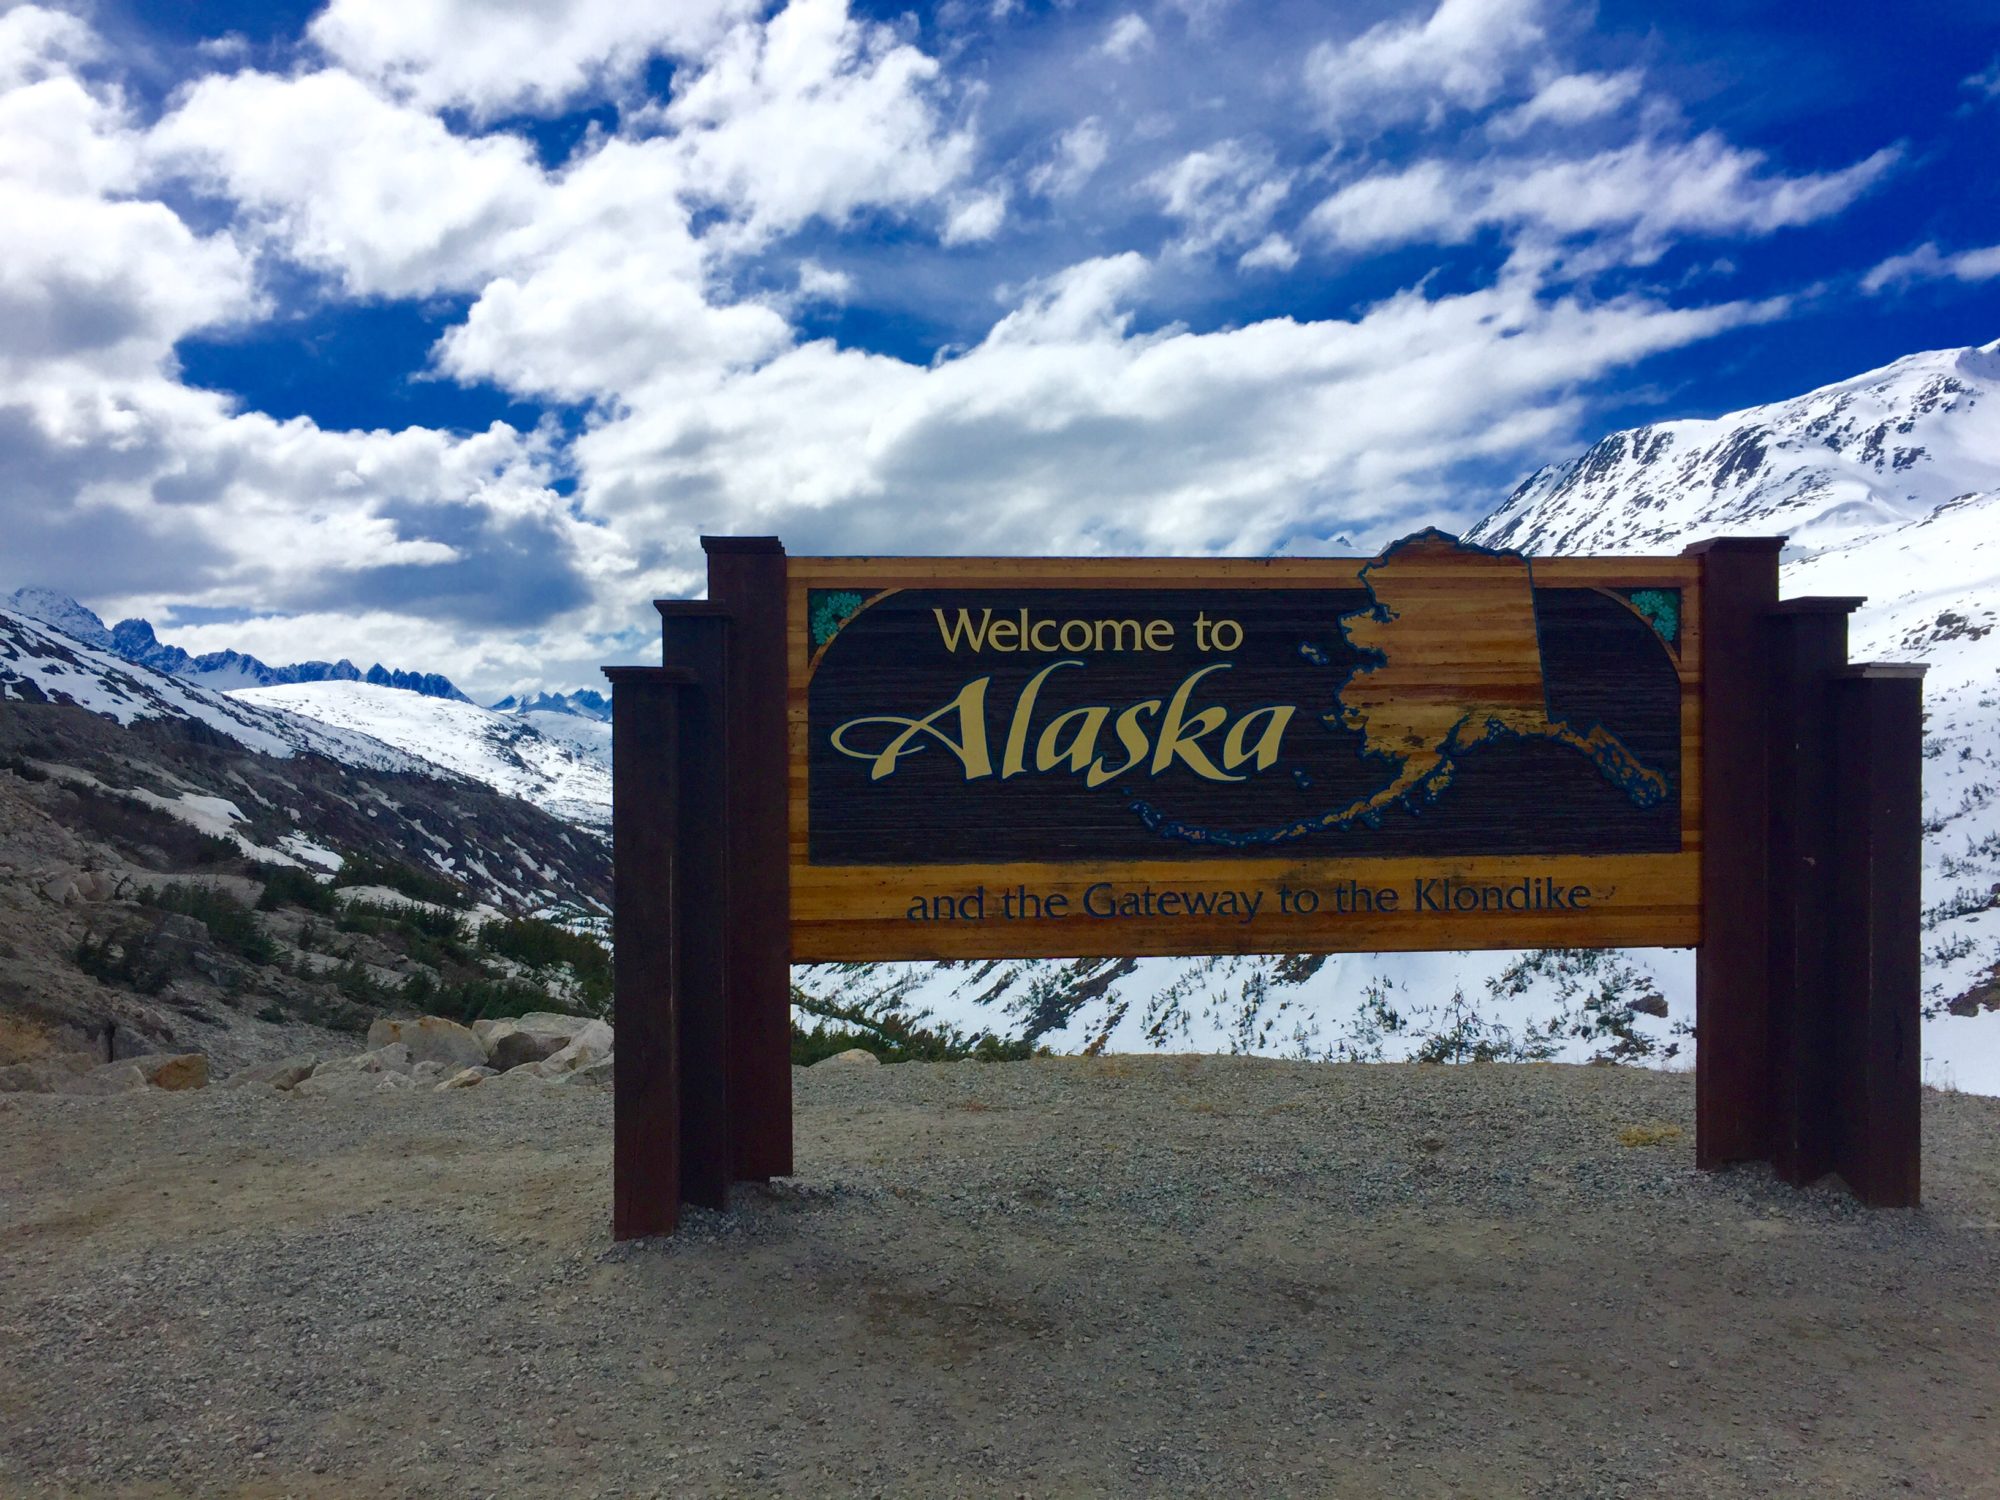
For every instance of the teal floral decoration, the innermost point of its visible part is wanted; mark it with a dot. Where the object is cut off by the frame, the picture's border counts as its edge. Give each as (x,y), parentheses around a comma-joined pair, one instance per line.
(1662,609)
(829,609)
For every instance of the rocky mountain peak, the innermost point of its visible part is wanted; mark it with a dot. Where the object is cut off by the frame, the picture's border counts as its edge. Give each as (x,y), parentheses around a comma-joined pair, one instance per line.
(61,611)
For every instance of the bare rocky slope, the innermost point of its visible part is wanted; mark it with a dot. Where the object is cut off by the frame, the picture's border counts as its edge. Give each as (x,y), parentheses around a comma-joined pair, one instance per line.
(165,889)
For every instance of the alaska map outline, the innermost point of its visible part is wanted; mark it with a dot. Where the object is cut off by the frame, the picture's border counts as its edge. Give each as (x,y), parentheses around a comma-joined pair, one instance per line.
(1421,725)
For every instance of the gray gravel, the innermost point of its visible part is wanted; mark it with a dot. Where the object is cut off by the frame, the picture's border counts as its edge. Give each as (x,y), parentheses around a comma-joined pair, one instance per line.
(1155,1276)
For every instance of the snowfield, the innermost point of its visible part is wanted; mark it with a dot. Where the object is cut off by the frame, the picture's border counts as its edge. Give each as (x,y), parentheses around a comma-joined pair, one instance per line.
(569,777)
(39,663)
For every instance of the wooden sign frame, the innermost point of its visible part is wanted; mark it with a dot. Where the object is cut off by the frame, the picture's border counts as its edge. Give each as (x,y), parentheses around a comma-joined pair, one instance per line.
(1796,876)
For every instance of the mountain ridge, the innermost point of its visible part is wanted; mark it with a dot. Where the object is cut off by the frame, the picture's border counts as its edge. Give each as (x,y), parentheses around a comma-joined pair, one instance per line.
(223,671)
(1887,486)
(583,703)
(1878,450)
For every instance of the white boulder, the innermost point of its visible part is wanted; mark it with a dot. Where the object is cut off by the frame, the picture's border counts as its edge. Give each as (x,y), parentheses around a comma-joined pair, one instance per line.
(591,1044)
(530,1038)
(394,1058)
(853,1057)
(431,1039)
(286,1073)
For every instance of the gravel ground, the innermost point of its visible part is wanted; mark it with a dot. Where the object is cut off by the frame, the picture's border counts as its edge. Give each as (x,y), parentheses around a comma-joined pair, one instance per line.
(1156,1276)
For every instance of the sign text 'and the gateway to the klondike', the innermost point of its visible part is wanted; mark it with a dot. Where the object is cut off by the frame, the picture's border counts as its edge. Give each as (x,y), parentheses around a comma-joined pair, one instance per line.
(1442,747)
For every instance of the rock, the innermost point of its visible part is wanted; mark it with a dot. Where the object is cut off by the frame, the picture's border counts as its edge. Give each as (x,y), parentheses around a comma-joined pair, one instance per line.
(427,1072)
(43,1076)
(286,1073)
(853,1057)
(185,1070)
(340,1085)
(24,1078)
(531,1038)
(591,1075)
(510,1044)
(61,888)
(101,885)
(394,1083)
(470,1078)
(394,1058)
(556,1021)
(128,1041)
(591,1044)
(430,1039)
(111,1078)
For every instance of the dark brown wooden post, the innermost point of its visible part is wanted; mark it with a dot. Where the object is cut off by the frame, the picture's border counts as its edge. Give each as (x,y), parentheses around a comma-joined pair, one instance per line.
(1806,645)
(695,637)
(746,576)
(1877,923)
(1739,589)
(646,1105)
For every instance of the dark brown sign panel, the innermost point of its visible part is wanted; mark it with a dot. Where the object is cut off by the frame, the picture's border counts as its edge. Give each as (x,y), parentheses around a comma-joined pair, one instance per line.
(1442,747)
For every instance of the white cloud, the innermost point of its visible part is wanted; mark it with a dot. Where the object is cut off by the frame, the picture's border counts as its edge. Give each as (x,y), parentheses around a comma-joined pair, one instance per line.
(1064,430)
(591,280)
(1272,253)
(496,56)
(818,283)
(976,218)
(1928,263)
(1391,208)
(119,480)
(106,287)
(1570,99)
(1079,152)
(1459,57)
(1650,192)
(38,43)
(1129,34)
(1223,196)
(98,282)
(609,293)
(379,194)
(865,101)
(656,277)
(1985,82)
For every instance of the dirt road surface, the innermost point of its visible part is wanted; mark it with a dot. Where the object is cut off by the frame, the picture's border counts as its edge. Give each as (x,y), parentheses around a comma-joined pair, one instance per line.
(1160,1276)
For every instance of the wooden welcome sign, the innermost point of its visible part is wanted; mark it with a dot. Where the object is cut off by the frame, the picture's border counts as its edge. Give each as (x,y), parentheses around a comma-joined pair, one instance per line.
(1438,747)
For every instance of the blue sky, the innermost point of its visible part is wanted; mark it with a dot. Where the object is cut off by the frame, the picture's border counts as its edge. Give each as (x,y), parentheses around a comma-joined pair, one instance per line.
(438,331)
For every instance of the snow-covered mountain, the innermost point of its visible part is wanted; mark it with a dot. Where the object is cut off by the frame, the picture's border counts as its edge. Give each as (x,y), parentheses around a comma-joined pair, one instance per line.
(47,607)
(42,664)
(534,847)
(557,761)
(220,671)
(584,703)
(1854,460)
(1888,486)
